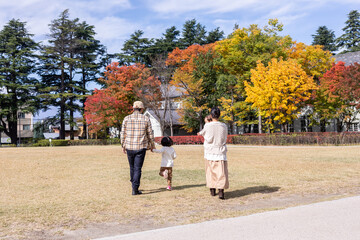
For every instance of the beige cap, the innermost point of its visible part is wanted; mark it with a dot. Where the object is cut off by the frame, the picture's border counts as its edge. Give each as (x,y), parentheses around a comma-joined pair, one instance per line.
(138,104)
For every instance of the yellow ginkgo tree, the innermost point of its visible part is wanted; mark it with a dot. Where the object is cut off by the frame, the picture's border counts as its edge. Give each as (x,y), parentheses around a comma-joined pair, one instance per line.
(279,91)
(313,59)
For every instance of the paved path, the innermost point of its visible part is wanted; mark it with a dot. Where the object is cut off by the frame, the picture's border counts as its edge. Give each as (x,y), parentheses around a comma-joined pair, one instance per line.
(332,220)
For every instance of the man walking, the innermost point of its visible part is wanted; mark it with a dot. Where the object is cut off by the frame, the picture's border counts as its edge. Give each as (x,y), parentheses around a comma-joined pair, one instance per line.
(136,137)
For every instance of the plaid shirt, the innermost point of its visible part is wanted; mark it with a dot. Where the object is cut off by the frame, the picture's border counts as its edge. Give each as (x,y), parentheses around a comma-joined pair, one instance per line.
(136,132)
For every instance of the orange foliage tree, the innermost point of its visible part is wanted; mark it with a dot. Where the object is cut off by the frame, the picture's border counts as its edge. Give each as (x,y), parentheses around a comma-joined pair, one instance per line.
(196,74)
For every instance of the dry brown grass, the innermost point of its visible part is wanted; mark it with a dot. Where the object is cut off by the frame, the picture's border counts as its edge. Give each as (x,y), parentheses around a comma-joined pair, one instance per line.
(48,190)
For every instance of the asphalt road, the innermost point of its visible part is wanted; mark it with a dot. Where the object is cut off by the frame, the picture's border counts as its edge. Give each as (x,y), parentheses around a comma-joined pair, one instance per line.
(331,220)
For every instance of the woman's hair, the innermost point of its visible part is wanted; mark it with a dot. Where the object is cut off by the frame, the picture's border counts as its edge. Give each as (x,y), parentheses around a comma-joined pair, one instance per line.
(167,142)
(208,118)
(215,112)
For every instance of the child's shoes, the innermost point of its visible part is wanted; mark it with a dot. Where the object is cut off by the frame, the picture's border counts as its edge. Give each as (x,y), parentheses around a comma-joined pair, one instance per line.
(166,174)
(168,188)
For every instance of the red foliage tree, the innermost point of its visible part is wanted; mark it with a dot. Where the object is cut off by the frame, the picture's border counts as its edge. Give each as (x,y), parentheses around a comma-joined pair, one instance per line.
(124,85)
(103,109)
(342,86)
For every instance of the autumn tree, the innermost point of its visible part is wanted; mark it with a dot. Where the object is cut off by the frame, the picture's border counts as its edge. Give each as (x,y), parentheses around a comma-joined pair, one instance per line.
(312,58)
(279,91)
(17,86)
(161,71)
(103,109)
(124,85)
(342,87)
(196,74)
(240,53)
(315,62)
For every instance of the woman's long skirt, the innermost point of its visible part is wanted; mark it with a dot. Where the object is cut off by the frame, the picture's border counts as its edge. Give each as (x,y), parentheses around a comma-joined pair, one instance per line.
(217,175)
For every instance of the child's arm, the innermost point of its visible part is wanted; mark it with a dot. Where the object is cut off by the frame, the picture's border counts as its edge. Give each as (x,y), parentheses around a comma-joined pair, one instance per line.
(174,154)
(158,150)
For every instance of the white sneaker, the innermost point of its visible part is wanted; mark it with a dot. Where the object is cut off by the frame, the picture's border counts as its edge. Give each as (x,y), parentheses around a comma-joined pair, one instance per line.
(166,174)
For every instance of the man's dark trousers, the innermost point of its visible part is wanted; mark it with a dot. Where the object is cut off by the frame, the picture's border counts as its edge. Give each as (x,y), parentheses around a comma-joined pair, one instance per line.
(136,161)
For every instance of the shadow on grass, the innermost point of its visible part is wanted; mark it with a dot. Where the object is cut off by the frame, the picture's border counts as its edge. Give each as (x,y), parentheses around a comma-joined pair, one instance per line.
(151,191)
(250,190)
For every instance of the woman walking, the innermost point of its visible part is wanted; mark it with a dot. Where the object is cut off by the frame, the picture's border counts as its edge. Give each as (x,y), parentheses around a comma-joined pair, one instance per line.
(216,168)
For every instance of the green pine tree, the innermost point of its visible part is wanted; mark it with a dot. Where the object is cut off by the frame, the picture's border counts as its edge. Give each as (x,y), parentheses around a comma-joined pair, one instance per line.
(90,54)
(166,44)
(326,38)
(58,70)
(192,33)
(17,63)
(350,40)
(136,49)
(214,35)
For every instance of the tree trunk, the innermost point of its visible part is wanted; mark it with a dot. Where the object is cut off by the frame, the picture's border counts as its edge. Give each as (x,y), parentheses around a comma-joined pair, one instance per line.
(62,103)
(260,123)
(231,125)
(171,118)
(71,121)
(83,103)
(339,126)
(322,125)
(13,132)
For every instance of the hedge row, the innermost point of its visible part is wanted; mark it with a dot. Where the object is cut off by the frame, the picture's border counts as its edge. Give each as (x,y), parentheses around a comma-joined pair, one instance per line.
(192,139)
(327,138)
(109,141)
(54,143)
(318,138)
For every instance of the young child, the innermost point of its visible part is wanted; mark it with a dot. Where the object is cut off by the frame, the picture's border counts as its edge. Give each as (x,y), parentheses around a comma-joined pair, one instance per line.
(167,161)
(207,119)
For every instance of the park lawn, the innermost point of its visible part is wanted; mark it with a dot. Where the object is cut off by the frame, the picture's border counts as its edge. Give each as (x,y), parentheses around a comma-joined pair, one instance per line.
(46,192)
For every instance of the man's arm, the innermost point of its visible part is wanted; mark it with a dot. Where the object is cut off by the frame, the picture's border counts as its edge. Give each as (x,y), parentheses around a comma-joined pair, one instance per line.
(123,134)
(150,134)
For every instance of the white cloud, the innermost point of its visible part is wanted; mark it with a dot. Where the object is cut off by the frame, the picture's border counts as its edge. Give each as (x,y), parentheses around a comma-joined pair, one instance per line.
(101,13)
(176,7)
(169,7)
(113,31)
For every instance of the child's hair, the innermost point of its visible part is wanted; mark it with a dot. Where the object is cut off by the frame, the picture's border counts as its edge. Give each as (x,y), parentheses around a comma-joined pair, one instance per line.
(208,118)
(167,142)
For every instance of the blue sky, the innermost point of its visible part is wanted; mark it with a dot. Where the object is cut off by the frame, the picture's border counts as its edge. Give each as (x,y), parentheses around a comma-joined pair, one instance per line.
(115,20)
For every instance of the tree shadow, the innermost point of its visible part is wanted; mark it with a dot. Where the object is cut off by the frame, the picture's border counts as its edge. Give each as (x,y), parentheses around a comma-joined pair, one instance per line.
(251,190)
(151,191)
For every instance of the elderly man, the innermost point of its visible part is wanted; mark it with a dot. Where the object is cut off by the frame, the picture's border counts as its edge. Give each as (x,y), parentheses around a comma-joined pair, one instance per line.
(136,137)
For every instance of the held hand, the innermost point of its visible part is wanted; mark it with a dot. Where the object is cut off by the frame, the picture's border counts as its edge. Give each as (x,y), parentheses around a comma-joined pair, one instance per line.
(198,133)
(124,150)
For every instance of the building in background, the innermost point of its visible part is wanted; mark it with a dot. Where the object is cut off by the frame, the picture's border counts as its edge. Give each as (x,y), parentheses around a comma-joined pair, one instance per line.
(25,126)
